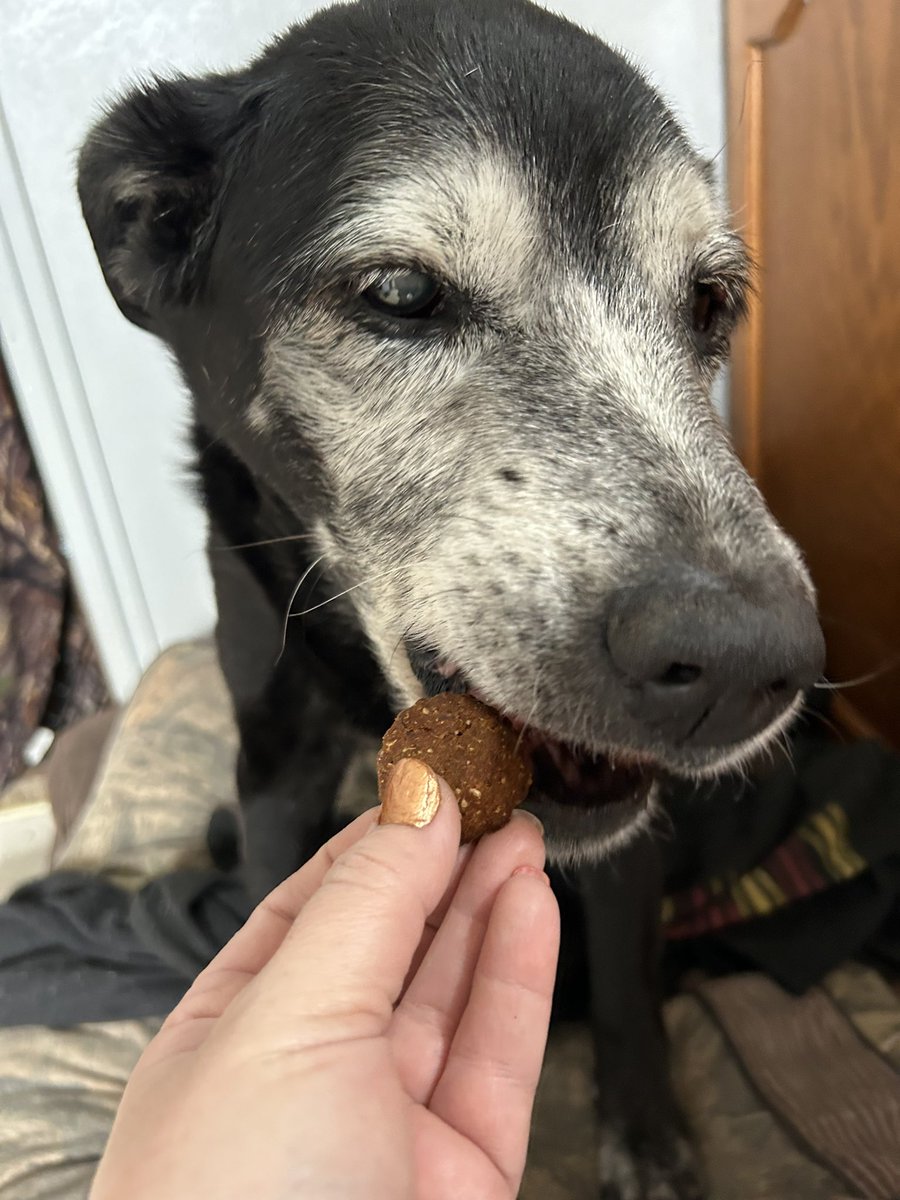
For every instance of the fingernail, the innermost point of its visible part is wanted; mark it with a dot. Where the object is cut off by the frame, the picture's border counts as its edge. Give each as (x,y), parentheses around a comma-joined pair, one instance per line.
(529,870)
(529,816)
(412,795)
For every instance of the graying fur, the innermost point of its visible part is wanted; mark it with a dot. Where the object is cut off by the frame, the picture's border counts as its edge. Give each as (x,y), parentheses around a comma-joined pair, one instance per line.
(584,386)
(484,487)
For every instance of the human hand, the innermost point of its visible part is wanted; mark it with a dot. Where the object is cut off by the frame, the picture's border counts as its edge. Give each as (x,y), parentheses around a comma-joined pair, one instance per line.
(375,1030)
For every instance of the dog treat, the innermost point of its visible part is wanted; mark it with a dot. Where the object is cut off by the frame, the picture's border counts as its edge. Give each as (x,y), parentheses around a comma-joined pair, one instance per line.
(472,747)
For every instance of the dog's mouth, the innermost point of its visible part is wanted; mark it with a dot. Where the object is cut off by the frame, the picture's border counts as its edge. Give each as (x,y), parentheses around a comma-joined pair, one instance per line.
(564,773)
(568,774)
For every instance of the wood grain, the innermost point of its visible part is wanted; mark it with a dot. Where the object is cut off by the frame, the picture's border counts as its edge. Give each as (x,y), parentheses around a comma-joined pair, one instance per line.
(814,176)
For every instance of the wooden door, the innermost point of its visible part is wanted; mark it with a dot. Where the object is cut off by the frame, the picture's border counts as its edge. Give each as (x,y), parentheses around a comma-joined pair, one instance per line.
(814,172)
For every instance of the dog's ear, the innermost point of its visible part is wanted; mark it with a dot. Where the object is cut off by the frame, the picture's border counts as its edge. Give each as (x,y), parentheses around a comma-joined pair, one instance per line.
(150,176)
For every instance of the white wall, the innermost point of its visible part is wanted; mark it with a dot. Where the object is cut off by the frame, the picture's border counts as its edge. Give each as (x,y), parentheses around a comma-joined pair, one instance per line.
(104,406)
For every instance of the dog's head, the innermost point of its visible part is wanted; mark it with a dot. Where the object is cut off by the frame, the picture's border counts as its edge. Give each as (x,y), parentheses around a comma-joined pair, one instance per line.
(448,275)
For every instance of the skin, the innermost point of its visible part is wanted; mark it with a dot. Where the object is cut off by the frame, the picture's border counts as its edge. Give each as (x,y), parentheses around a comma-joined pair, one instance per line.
(376,1030)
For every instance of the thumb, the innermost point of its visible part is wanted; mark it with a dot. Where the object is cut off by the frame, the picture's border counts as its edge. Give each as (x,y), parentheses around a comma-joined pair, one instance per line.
(347,955)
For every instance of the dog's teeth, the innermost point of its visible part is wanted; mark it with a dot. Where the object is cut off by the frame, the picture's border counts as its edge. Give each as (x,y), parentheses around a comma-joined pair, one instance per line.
(570,773)
(555,751)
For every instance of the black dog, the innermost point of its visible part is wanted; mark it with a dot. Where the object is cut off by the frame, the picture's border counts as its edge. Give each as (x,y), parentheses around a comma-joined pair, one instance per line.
(449,287)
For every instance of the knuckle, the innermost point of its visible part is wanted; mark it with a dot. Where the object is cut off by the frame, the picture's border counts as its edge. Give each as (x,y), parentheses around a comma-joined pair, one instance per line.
(368,868)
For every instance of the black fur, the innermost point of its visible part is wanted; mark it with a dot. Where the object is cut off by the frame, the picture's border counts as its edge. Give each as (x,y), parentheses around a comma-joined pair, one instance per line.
(203,197)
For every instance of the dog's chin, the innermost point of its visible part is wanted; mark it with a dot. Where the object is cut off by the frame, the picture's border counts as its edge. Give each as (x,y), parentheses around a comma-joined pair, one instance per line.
(588,803)
(575,835)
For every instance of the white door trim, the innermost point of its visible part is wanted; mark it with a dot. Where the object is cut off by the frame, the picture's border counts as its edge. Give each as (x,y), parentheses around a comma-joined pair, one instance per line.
(38,354)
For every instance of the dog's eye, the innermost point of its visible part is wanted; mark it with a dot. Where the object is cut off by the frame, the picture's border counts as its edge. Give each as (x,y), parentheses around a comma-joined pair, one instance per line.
(710,306)
(405,294)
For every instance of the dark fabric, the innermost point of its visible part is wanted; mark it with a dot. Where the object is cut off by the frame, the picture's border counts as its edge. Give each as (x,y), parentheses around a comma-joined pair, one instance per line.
(69,954)
(806,940)
(75,948)
(831,815)
(187,917)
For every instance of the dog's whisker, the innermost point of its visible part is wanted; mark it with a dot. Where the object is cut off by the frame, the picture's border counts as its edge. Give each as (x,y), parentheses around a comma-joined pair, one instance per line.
(291,537)
(331,599)
(300,582)
(403,634)
(314,583)
(534,700)
(353,587)
(612,225)
(782,744)
(663,823)
(825,686)
(787,749)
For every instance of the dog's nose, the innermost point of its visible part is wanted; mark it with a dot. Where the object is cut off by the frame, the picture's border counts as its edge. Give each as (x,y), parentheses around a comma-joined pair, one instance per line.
(706,664)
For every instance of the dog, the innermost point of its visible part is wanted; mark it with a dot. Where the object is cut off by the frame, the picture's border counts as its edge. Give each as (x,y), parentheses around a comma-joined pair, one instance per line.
(449,287)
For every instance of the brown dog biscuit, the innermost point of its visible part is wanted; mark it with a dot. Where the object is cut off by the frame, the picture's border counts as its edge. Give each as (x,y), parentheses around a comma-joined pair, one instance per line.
(472,747)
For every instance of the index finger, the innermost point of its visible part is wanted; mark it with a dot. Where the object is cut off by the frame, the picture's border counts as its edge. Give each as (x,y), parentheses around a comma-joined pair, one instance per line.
(253,945)
(342,964)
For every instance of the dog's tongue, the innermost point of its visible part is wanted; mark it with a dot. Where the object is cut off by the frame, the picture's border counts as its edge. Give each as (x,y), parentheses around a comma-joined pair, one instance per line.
(569,776)
(570,771)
